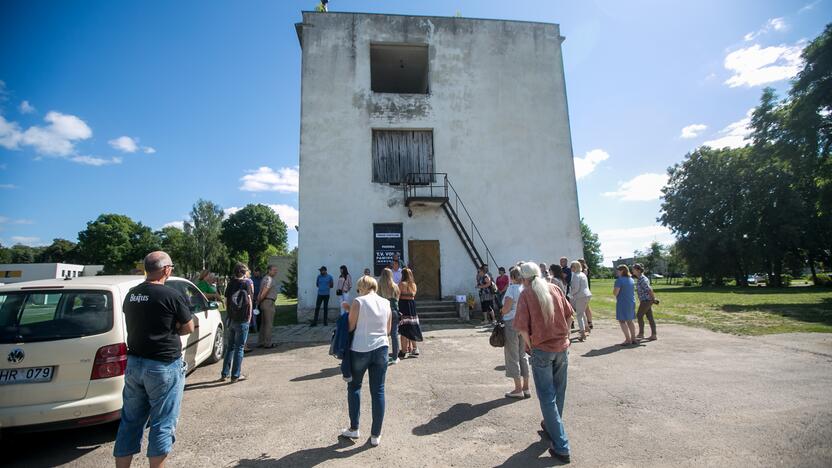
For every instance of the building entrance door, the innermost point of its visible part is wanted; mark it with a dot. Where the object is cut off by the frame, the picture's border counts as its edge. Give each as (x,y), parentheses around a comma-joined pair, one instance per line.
(424,257)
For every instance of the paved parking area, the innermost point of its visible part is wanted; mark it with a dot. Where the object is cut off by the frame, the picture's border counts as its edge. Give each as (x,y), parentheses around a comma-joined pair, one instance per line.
(693,398)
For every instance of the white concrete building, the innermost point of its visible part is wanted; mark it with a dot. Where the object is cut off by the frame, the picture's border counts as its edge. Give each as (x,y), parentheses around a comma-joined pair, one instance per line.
(483,101)
(20,272)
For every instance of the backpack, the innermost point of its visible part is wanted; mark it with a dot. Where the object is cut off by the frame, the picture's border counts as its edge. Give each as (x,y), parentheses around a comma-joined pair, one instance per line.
(239,304)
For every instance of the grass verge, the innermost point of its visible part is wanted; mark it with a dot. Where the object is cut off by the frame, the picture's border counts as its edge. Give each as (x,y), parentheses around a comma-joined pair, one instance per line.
(736,310)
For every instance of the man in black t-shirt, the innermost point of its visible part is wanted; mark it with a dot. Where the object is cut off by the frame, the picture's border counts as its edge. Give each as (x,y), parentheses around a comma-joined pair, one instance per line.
(156,316)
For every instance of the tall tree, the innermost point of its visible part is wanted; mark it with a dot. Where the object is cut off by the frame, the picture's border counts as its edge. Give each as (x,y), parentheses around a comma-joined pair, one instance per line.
(117,242)
(182,249)
(592,247)
(60,251)
(252,230)
(205,226)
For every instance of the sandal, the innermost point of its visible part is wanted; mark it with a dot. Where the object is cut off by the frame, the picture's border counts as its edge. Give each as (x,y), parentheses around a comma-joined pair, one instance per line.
(652,338)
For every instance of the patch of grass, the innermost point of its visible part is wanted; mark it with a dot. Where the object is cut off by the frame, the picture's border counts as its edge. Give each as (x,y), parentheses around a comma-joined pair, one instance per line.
(737,310)
(285,312)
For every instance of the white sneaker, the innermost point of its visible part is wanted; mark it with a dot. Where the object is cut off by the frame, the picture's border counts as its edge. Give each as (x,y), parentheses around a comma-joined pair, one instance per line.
(374,441)
(392,362)
(350,434)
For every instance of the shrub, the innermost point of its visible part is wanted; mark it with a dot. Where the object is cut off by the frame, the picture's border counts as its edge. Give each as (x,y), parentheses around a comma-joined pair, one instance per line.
(824,279)
(786,280)
(687,282)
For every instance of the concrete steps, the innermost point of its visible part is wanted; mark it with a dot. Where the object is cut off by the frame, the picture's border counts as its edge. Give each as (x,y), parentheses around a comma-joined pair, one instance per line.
(436,312)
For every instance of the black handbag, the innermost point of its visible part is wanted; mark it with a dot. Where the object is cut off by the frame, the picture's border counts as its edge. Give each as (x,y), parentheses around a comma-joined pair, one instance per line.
(498,336)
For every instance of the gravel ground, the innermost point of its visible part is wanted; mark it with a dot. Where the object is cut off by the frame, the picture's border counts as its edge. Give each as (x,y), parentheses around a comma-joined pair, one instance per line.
(693,398)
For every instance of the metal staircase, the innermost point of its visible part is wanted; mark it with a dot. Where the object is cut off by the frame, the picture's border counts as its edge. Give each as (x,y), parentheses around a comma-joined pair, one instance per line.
(434,189)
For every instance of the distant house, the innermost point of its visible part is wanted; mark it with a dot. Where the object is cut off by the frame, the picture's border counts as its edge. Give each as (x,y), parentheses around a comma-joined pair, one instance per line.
(660,267)
(445,140)
(20,272)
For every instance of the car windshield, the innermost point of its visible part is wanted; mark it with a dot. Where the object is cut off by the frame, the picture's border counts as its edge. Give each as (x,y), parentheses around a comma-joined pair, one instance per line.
(27,316)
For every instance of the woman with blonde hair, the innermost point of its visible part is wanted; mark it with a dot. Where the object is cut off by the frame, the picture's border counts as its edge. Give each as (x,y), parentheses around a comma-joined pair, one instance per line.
(625,304)
(579,294)
(388,289)
(370,320)
(409,328)
(517,363)
(542,320)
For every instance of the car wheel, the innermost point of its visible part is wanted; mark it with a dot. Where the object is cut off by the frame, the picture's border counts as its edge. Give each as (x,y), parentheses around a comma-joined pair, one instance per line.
(216,353)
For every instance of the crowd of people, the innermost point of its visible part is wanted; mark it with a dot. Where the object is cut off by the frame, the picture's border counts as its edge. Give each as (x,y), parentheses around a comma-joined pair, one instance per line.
(538,306)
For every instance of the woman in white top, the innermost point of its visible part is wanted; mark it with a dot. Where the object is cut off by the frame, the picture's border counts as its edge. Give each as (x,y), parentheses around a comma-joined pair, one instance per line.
(579,296)
(344,286)
(517,363)
(370,321)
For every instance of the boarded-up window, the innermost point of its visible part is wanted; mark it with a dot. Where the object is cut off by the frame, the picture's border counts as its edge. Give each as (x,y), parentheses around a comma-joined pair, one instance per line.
(397,153)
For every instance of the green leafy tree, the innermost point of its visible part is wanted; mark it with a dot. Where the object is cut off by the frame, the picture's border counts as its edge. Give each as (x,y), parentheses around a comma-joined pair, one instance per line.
(5,254)
(592,248)
(653,256)
(60,251)
(182,249)
(290,284)
(117,242)
(205,226)
(252,230)
(20,253)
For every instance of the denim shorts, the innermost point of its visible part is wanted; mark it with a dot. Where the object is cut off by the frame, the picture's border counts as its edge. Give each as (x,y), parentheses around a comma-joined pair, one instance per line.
(152,397)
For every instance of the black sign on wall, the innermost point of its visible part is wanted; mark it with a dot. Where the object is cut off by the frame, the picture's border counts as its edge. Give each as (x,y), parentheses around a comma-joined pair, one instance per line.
(387,240)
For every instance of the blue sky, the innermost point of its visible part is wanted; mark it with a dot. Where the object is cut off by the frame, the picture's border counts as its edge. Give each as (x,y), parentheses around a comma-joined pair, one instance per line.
(143,107)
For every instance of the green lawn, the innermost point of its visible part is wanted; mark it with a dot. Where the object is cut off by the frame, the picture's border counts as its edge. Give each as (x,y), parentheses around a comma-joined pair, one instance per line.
(741,311)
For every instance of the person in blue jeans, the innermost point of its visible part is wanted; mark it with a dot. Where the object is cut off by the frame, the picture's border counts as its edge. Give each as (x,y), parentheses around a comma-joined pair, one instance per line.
(370,321)
(388,289)
(239,297)
(154,377)
(542,319)
(324,283)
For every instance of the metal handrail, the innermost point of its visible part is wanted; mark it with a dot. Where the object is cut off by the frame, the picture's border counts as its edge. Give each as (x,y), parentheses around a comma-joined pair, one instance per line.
(411,188)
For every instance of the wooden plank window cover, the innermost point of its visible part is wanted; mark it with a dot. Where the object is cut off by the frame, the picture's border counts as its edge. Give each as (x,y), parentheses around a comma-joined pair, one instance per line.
(397,153)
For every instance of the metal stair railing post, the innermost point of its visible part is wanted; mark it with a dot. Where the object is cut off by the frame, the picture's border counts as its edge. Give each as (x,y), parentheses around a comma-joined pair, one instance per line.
(415,181)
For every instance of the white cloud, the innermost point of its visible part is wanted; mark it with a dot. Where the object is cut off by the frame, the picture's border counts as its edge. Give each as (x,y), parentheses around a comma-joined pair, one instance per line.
(3,92)
(5,220)
(10,134)
(265,179)
(773,24)
(288,214)
(148,149)
(693,130)
(585,165)
(808,6)
(125,144)
(8,186)
(59,137)
(620,243)
(643,187)
(26,108)
(176,224)
(94,161)
(755,65)
(26,240)
(734,135)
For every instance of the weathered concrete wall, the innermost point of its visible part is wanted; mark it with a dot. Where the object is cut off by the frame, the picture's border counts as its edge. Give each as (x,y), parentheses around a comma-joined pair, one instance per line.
(499,114)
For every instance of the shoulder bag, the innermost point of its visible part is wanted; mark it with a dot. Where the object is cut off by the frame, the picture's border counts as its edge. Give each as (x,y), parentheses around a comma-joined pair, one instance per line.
(498,336)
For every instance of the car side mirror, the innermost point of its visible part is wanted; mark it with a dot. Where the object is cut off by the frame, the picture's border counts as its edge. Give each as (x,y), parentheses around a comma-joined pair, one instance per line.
(213,305)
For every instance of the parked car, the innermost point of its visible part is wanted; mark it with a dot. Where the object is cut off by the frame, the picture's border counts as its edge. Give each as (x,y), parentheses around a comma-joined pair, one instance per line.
(63,348)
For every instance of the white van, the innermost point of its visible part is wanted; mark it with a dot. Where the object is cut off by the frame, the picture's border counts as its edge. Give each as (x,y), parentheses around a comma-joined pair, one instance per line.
(63,348)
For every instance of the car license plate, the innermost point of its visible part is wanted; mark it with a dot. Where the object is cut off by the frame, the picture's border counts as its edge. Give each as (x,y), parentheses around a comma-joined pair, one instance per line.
(26,375)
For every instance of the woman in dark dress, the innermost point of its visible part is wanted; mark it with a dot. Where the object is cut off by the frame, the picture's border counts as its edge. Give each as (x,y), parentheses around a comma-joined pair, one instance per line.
(409,328)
